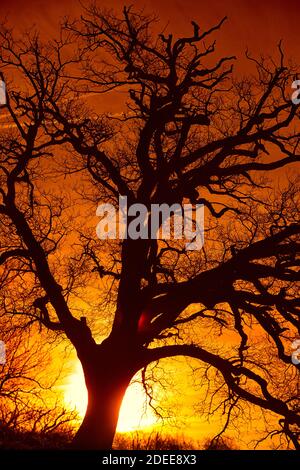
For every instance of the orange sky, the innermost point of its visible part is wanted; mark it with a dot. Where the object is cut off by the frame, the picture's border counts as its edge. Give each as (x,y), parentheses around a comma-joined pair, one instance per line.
(254,23)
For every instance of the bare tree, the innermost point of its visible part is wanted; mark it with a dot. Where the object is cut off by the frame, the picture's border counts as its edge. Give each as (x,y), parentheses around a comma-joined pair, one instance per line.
(189,131)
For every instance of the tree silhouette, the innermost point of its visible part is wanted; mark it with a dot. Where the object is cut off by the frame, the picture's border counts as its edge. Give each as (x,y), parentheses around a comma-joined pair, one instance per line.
(189,131)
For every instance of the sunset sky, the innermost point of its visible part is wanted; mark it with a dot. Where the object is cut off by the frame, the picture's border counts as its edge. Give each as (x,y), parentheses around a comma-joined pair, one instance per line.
(258,25)
(251,24)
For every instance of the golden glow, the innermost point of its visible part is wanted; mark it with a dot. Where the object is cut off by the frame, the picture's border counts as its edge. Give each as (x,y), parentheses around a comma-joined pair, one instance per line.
(75,393)
(132,416)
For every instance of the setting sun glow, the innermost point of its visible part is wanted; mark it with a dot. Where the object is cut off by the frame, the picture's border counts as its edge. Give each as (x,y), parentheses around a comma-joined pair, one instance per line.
(133,413)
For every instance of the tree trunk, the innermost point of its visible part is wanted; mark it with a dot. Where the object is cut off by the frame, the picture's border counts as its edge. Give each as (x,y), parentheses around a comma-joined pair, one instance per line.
(107,380)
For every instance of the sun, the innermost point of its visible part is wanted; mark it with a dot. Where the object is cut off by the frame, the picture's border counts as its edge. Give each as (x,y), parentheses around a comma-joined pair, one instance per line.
(133,415)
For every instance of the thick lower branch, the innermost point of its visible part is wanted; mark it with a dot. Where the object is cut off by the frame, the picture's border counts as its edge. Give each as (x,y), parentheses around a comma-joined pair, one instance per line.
(77,331)
(230,374)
